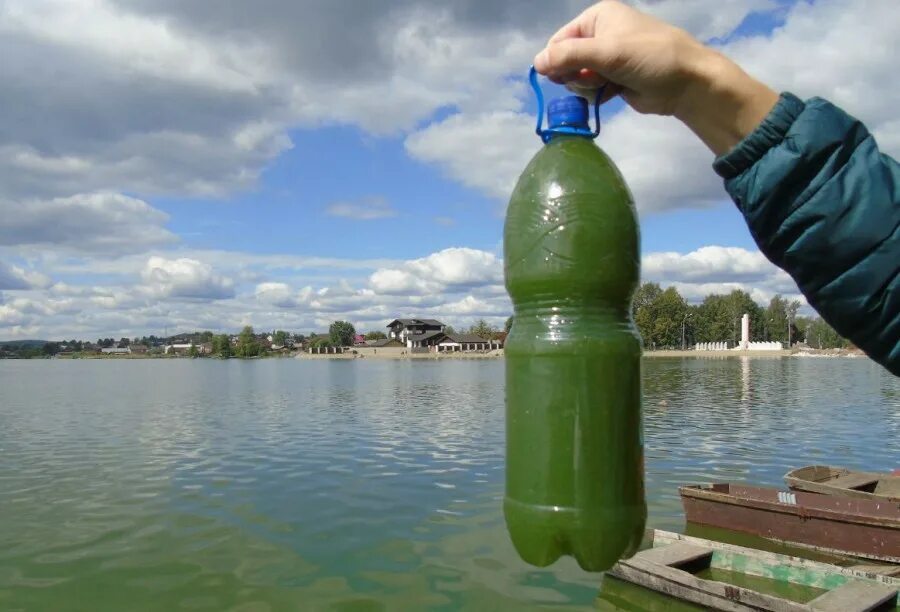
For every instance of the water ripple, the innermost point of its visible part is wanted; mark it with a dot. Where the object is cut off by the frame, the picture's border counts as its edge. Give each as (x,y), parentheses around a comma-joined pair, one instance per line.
(286,484)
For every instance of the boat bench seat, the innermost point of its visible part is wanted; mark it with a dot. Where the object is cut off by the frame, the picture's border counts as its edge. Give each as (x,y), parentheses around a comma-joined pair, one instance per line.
(888,486)
(855,596)
(674,555)
(853,480)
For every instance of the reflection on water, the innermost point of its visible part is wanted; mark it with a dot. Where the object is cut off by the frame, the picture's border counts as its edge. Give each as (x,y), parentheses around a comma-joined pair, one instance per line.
(345,485)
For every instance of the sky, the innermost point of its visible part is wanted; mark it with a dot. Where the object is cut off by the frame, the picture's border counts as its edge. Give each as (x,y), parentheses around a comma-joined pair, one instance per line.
(165,167)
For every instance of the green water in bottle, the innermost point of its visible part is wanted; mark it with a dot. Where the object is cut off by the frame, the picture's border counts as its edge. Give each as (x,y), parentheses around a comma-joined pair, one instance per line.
(574,444)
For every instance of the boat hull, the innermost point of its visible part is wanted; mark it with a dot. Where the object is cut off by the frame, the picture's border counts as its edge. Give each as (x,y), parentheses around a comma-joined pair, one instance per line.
(675,563)
(862,528)
(829,480)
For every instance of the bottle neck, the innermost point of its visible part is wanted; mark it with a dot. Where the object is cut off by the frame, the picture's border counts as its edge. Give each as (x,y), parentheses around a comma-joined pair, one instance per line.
(570,308)
(555,136)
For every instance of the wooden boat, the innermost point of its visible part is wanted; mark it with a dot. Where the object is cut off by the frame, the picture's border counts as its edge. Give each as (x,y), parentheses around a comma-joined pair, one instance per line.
(830,480)
(676,565)
(831,523)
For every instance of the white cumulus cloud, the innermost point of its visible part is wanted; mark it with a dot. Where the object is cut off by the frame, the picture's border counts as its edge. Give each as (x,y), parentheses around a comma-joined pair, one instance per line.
(708,264)
(185,278)
(453,268)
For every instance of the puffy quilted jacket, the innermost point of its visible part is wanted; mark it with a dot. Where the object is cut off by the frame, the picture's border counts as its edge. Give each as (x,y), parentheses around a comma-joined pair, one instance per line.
(824,204)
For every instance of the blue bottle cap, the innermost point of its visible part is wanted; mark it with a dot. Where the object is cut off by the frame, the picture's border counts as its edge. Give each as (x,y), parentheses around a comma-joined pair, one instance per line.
(568,115)
(568,111)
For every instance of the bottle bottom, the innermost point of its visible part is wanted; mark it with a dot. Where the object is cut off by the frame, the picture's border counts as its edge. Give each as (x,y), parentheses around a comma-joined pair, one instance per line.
(597,538)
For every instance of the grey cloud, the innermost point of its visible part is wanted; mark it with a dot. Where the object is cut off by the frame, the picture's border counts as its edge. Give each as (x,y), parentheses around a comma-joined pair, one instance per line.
(342,41)
(107,223)
(169,97)
(14,278)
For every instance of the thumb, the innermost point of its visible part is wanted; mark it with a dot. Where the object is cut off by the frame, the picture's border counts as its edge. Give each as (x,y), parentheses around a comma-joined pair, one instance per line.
(569,56)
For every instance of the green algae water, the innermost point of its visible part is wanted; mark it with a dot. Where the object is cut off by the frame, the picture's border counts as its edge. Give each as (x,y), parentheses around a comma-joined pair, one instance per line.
(574,454)
(364,485)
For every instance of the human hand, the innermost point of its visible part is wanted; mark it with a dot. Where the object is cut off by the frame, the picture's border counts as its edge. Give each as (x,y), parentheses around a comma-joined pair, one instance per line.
(657,68)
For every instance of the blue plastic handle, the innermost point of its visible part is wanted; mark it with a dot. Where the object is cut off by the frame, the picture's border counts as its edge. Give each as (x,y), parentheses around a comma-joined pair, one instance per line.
(547,134)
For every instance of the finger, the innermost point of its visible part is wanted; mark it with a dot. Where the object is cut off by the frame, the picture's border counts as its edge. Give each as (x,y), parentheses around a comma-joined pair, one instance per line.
(562,79)
(611,91)
(570,30)
(580,27)
(566,56)
(587,78)
(587,84)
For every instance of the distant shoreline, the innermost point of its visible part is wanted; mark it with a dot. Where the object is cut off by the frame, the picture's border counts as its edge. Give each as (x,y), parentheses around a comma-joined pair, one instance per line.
(399,355)
(498,354)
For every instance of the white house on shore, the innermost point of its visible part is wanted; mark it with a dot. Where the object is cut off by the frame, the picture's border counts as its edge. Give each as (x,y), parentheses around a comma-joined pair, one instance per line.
(182,348)
(115,350)
(430,335)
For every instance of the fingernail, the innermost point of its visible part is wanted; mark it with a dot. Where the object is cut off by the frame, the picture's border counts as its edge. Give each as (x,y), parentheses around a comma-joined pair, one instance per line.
(542,61)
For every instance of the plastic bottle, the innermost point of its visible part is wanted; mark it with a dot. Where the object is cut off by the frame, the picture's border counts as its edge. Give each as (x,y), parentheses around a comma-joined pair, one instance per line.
(574,443)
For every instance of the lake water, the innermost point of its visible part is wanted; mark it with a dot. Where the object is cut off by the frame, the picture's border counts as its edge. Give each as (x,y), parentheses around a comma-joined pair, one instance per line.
(358,485)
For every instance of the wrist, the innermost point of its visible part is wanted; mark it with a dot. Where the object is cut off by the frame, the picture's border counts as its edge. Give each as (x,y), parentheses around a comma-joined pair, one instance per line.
(722,104)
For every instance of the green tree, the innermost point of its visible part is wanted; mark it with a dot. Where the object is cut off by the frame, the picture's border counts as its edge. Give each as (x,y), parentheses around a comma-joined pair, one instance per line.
(792,308)
(247,346)
(482,329)
(821,335)
(279,338)
(449,330)
(508,324)
(322,342)
(642,310)
(658,315)
(221,345)
(670,309)
(193,352)
(775,320)
(718,318)
(778,315)
(645,295)
(341,333)
(375,335)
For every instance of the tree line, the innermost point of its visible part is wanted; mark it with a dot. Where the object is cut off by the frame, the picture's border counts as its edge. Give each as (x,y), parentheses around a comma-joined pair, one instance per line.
(663,317)
(666,321)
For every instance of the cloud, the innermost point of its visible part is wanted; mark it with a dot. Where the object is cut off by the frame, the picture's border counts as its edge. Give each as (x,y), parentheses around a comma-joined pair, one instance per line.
(453,268)
(185,278)
(663,163)
(708,264)
(281,295)
(108,223)
(366,209)
(192,101)
(485,151)
(137,295)
(696,17)
(13,277)
(189,101)
(11,317)
(719,269)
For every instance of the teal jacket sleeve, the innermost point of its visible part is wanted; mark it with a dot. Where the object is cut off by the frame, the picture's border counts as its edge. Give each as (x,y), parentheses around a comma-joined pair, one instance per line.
(822,203)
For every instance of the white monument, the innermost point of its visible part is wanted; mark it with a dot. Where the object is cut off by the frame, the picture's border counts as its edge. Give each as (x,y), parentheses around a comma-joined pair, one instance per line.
(745,332)
(744,345)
